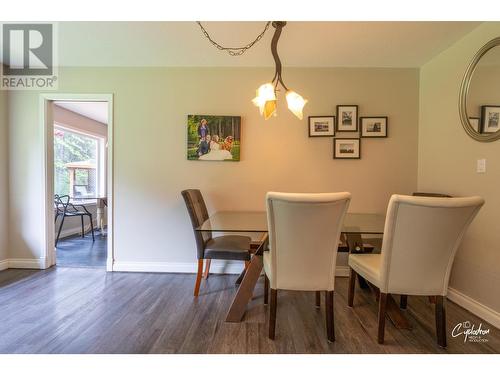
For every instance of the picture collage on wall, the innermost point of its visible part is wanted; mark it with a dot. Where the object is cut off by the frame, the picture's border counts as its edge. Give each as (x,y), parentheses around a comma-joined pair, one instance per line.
(346,120)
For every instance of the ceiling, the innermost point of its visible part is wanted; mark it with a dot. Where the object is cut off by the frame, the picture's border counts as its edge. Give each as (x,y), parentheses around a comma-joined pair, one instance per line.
(304,44)
(97,111)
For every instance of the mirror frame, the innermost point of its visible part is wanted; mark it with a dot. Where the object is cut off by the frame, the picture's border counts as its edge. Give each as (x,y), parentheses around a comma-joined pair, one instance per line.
(464,91)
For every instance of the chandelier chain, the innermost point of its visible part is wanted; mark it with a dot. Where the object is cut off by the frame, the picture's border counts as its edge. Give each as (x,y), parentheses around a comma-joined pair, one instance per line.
(234,51)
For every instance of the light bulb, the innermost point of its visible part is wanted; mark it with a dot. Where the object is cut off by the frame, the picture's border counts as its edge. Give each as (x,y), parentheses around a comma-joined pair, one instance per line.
(296,103)
(266,100)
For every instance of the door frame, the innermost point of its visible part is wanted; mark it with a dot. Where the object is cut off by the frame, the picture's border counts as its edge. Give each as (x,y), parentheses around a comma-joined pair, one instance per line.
(47,121)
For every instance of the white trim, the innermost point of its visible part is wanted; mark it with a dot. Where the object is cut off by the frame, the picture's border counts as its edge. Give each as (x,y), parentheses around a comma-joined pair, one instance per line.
(217,266)
(475,307)
(47,122)
(220,267)
(4,264)
(342,271)
(77,230)
(37,264)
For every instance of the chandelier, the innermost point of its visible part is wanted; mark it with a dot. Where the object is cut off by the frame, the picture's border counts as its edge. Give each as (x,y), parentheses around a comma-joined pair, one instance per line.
(266,98)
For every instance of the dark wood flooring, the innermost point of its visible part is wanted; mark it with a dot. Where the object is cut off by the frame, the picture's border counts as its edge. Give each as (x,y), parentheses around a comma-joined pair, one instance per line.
(76,251)
(86,310)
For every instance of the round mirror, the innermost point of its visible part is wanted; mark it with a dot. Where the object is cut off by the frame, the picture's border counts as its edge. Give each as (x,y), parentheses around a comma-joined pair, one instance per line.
(479,105)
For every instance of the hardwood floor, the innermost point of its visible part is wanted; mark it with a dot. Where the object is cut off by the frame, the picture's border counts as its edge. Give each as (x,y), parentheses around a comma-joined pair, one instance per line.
(76,251)
(85,310)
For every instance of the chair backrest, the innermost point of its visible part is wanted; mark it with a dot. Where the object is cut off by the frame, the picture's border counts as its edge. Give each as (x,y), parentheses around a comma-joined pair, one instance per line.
(304,231)
(421,238)
(61,203)
(435,195)
(198,214)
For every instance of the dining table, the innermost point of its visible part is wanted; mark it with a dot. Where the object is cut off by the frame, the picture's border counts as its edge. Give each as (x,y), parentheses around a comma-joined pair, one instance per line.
(354,226)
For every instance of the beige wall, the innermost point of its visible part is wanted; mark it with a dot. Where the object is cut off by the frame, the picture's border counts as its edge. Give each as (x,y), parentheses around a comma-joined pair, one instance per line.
(4,184)
(447,162)
(150,109)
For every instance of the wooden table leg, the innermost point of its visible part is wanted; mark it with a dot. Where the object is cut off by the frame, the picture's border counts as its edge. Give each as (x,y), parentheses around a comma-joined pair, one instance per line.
(393,311)
(395,314)
(245,291)
(240,277)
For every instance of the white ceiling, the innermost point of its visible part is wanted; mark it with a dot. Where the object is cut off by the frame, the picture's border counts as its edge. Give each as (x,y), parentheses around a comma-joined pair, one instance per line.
(305,44)
(97,111)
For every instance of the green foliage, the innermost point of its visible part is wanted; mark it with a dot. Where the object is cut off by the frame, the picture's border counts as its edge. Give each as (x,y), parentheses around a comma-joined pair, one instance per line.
(70,147)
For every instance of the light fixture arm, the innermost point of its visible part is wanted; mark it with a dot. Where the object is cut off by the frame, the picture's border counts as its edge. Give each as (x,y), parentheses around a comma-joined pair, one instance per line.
(278,25)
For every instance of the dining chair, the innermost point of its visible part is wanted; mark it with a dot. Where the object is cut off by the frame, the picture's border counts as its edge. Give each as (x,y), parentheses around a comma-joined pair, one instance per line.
(225,247)
(65,209)
(403,299)
(421,238)
(304,232)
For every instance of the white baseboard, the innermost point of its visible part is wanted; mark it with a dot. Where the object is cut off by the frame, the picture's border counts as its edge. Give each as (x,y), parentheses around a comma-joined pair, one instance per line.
(176,267)
(4,264)
(37,264)
(68,232)
(475,307)
(342,271)
(220,267)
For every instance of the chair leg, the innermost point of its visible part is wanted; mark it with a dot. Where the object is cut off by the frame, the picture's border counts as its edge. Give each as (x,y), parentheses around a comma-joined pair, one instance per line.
(272,313)
(207,269)
(198,277)
(330,325)
(432,299)
(352,284)
(59,231)
(318,299)
(83,232)
(92,228)
(266,289)
(403,302)
(441,321)
(382,304)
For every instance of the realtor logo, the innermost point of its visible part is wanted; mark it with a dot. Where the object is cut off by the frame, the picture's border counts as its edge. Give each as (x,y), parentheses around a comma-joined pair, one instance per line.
(28,56)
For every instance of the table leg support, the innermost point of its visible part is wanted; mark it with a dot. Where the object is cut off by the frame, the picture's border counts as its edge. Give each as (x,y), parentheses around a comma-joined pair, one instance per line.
(245,291)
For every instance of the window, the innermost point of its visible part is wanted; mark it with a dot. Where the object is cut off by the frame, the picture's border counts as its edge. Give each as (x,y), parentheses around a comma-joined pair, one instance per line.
(78,164)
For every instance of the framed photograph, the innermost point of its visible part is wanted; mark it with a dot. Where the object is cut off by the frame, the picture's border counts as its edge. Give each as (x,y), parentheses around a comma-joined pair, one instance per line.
(490,118)
(347,118)
(347,148)
(321,126)
(475,121)
(213,138)
(373,127)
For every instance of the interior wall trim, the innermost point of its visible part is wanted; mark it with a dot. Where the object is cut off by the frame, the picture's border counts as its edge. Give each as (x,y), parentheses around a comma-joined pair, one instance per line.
(218,267)
(477,308)
(36,264)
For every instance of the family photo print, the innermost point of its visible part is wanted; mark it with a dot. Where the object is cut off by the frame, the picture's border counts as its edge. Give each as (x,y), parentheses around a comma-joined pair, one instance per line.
(213,138)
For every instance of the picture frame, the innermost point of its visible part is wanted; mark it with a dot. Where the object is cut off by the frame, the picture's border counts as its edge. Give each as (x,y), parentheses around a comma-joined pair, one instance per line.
(213,138)
(321,126)
(475,123)
(347,148)
(347,118)
(373,126)
(490,118)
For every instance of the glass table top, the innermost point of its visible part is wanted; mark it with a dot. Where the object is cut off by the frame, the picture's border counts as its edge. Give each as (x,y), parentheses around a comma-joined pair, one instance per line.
(256,221)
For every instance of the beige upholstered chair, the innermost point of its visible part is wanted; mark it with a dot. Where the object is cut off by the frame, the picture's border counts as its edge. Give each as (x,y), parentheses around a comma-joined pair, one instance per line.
(304,231)
(421,237)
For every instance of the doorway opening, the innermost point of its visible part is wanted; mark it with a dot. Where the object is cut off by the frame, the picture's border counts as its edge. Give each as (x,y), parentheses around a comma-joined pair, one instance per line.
(78,189)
